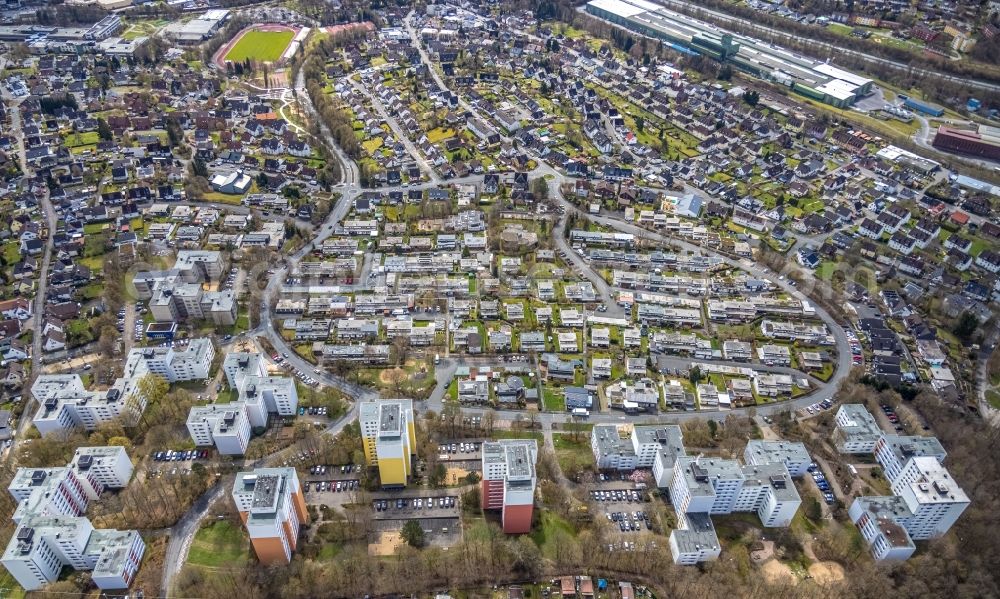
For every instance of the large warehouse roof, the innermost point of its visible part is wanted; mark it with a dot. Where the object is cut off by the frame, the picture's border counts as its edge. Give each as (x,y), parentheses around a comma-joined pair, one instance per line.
(780,62)
(617,7)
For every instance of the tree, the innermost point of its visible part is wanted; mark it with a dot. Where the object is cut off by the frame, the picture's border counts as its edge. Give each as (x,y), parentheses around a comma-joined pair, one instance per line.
(121,442)
(813,509)
(413,534)
(967,324)
(540,187)
(437,475)
(199,168)
(104,130)
(694,375)
(751,97)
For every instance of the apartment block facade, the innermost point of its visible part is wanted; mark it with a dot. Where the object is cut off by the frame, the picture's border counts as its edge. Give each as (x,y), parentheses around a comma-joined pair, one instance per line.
(228,426)
(509,481)
(52,531)
(65,403)
(272,508)
(389,438)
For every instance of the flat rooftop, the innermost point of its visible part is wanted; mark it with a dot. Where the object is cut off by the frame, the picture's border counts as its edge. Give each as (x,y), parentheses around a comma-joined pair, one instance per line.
(854,419)
(697,535)
(776,451)
(265,491)
(775,476)
(909,446)
(389,420)
(519,464)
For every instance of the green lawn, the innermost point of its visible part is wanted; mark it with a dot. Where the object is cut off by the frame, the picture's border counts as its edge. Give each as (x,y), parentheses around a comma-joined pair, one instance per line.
(994,398)
(574,456)
(11,252)
(826,270)
(94,245)
(439,134)
(10,585)
(223,198)
(219,544)
(92,291)
(328,552)
(76,140)
(517,434)
(549,527)
(93,262)
(372,145)
(265,46)
(553,400)
(840,29)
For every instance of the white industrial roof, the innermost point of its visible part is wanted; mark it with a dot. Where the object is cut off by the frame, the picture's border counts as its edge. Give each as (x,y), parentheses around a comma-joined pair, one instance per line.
(837,88)
(836,73)
(620,8)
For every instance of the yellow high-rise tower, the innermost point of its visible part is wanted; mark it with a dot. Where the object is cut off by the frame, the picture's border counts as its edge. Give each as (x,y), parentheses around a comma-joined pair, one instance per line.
(389,437)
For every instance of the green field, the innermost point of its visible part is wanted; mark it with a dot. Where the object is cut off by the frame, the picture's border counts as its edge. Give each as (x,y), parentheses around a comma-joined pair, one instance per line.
(265,46)
(219,544)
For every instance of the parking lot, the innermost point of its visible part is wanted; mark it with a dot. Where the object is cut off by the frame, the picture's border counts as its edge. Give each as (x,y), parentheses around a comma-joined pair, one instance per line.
(328,472)
(460,451)
(279,360)
(426,506)
(621,506)
(331,486)
(892,418)
(819,479)
(816,408)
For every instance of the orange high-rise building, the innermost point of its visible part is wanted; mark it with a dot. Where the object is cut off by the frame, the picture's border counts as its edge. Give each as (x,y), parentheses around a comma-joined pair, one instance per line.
(272,508)
(509,481)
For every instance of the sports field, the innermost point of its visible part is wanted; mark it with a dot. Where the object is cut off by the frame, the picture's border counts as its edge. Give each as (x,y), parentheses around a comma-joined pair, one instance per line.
(265,46)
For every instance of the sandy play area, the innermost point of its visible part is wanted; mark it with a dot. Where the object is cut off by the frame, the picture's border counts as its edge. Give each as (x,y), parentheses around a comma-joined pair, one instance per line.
(826,572)
(455,476)
(387,544)
(822,573)
(775,571)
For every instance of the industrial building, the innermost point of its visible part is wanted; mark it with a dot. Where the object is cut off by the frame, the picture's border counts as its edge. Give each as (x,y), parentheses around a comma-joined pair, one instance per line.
(984,141)
(389,437)
(197,29)
(52,531)
(509,481)
(811,78)
(272,507)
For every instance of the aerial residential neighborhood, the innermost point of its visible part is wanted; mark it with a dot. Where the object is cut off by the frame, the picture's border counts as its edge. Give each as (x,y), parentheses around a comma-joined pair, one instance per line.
(601,299)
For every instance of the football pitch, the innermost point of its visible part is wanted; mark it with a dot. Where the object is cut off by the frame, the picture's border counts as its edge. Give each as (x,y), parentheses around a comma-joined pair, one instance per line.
(265,46)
